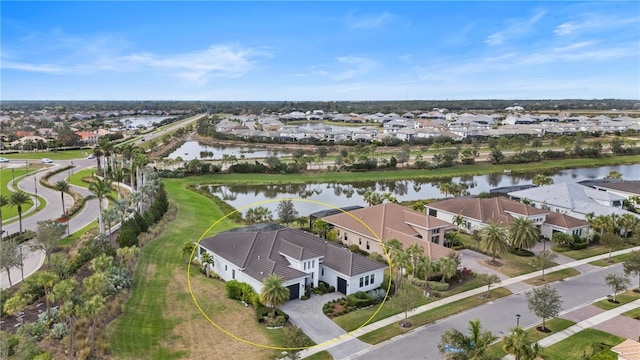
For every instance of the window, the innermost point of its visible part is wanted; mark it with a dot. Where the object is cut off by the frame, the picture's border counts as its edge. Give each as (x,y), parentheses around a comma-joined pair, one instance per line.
(233,274)
(368,246)
(225,268)
(313,263)
(372,278)
(361,282)
(435,231)
(345,237)
(304,265)
(433,212)
(435,239)
(366,281)
(359,241)
(322,271)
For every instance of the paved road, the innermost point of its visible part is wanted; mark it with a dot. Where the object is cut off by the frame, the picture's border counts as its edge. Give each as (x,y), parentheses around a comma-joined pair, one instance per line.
(34,260)
(497,316)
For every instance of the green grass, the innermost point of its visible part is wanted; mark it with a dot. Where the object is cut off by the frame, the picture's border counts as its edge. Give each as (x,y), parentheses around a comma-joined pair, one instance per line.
(574,347)
(635,313)
(551,277)
(588,252)
(357,319)
(623,298)
(512,265)
(76,177)
(614,260)
(6,175)
(138,332)
(322,355)
(555,325)
(71,239)
(387,332)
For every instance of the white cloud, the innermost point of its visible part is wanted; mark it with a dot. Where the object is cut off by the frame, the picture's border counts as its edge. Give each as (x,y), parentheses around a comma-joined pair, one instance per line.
(593,22)
(369,21)
(515,28)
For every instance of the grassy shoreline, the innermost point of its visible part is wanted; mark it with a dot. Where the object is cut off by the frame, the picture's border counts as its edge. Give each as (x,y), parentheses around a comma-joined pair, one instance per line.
(404,174)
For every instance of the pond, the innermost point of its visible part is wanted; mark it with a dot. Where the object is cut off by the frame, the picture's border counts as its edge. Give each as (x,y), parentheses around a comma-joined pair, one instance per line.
(347,194)
(194,150)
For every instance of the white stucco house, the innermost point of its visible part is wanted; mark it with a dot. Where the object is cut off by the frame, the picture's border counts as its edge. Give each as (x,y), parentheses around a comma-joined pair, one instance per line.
(299,258)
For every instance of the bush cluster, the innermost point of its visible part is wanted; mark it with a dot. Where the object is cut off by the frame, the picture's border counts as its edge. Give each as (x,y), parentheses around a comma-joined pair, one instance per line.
(437,285)
(131,228)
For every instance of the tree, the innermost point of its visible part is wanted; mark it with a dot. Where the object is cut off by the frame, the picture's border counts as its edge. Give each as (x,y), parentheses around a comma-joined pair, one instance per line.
(287,212)
(544,260)
(460,221)
(610,240)
(541,179)
(46,280)
(523,233)
(618,283)
(207,261)
(415,251)
(493,239)
(18,199)
(9,257)
(187,251)
(632,265)
(109,215)
(372,198)
(545,302)
(258,214)
(613,175)
(489,280)
(63,187)
(406,299)
(454,345)
(518,344)
(101,189)
(320,227)
(90,309)
(273,293)
(496,156)
(48,233)
(448,268)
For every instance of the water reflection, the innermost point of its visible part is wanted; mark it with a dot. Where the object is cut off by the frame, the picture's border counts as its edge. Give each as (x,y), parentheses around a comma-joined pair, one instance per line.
(347,194)
(194,150)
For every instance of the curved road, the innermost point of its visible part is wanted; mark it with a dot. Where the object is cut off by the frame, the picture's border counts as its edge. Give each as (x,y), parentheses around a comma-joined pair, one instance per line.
(33,260)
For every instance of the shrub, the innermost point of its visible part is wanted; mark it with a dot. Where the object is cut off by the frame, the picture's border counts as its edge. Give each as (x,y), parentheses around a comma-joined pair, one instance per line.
(234,289)
(378,294)
(416,281)
(521,252)
(578,246)
(59,330)
(332,289)
(438,286)
(359,299)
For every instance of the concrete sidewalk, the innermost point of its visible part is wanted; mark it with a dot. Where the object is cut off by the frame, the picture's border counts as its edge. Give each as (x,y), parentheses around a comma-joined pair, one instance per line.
(396,318)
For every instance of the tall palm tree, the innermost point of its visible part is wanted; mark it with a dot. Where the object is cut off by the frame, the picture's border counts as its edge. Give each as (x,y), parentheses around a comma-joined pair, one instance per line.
(18,199)
(46,280)
(523,233)
(63,293)
(109,215)
(4,201)
(493,239)
(273,293)
(90,310)
(518,344)
(415,251)
(101,189)
(448,267)
(63,187)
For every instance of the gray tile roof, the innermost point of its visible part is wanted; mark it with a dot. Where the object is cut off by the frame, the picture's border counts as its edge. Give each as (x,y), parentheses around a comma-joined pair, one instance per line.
(261,254)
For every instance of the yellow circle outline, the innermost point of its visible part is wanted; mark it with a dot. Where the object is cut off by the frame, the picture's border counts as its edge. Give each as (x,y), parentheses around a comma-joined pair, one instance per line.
(337,339)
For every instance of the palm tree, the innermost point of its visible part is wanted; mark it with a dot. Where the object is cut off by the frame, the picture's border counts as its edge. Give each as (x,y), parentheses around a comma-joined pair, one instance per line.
(109,215)
(628,223)
(18,199)
(187,250)
(372,198)
(101,189)
(456,345)
(320,227)
(448,268)
(273,293)
(459,220)
(207,260)
(415,251)
(46,280)
(63,187)
(494,240)
(523,233)
(63,294)
(90,309)
(4,201)
(518,344)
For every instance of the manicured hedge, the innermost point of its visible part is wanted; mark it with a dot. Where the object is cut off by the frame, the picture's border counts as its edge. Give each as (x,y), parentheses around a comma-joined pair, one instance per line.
(438,286)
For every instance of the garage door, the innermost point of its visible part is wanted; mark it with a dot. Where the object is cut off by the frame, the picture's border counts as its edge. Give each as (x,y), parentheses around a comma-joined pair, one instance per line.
(342,285)
(294,291)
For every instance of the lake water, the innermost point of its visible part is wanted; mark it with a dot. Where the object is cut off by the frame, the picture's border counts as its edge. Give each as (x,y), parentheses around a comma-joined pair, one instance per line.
(347,194)
(193,150)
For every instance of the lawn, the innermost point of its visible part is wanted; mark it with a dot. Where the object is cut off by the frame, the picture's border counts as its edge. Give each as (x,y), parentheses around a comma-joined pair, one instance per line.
(389,331)
(53,155)
(555,325)
(6,175)
(623,298)
(71,239)
(614,260)
(576,346)
(588,252)
(511,264)
(160,320)
(322,355)
(551,277)
(635,313)
(76,177)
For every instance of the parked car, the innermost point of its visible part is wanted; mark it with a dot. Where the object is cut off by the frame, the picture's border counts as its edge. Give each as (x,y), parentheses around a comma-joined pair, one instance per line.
(3,160)
(92,156)
(47,161)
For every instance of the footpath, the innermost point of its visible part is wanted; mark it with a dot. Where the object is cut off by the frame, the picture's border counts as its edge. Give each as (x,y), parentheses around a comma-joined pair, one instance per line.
(510,281)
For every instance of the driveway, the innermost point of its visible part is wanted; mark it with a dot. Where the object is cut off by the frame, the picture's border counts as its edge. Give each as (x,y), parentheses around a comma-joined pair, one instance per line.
(308,316)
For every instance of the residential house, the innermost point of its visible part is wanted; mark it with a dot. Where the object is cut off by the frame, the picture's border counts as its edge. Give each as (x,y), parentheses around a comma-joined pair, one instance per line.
(368,227)
(477,213)
(299,258)
(625,189)
(87,137)
(575,200)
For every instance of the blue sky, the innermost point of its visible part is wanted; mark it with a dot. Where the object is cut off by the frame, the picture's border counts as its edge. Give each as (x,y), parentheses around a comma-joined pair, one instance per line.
(208,50)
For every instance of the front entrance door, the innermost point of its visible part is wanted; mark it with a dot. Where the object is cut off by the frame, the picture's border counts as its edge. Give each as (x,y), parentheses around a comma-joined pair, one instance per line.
(342,285)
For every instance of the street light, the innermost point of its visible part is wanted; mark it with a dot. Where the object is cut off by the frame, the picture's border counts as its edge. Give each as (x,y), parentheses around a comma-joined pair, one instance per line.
(517,320)
(21,262)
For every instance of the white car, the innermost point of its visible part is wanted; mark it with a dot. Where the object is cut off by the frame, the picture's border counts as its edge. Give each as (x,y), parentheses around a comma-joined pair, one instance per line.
(3,160)
(92,156)
(47,161)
